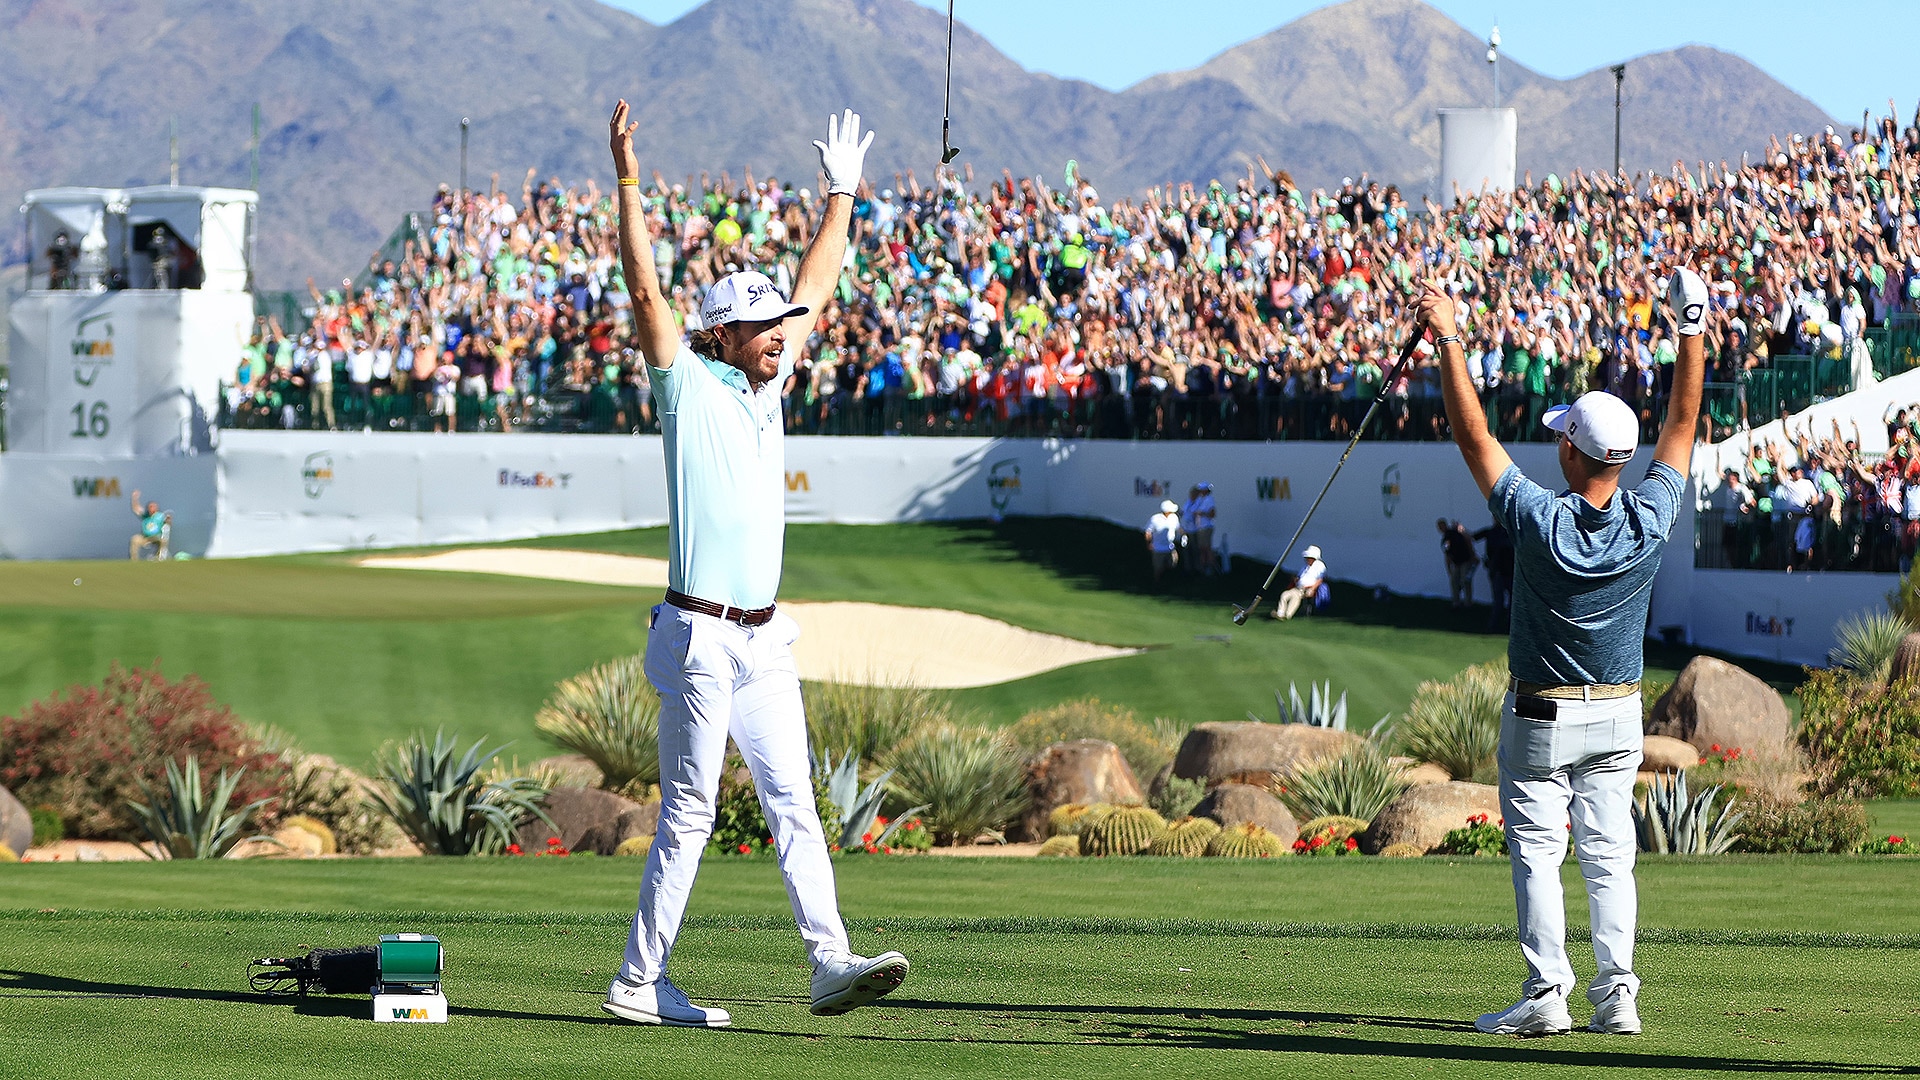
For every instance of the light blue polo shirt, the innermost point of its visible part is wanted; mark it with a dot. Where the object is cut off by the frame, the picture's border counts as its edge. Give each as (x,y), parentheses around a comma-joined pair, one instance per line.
(726,479)
(1583,578)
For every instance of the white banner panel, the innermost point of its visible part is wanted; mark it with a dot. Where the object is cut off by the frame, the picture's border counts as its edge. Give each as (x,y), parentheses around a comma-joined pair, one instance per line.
(59,507)
(1479,150)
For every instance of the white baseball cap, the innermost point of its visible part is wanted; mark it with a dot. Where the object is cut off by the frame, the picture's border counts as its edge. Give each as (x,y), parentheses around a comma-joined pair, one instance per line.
(1169,507)
(746,296)
(1599,425)
(1312,552)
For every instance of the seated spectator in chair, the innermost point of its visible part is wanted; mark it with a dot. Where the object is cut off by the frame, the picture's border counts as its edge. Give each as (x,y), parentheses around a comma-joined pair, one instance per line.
(1310,586)
(155,527)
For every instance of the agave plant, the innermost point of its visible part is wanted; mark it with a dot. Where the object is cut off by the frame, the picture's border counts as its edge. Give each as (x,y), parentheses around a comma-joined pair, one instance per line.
(1456,724)
(1318,709)
(611,715)
(859,806)
(1677,822)
(188,821)
(1359,783)
(1867,643)
(969,781)
(439,798)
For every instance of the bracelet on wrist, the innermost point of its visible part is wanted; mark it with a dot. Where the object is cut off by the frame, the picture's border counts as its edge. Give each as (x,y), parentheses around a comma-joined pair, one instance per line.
(1442,340)
(629,181)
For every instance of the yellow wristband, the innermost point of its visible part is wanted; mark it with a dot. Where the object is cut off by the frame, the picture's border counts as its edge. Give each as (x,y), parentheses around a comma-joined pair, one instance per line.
(629,181)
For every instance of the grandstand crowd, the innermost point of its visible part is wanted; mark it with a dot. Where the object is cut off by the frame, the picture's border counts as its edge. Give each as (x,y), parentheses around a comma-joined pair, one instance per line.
(1246,309)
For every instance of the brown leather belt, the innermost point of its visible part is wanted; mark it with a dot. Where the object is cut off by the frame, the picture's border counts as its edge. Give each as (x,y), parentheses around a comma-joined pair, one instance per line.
(1574,691)
(756,617)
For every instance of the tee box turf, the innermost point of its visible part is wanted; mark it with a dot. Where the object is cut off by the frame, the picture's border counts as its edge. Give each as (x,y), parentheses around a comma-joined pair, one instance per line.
(409,988)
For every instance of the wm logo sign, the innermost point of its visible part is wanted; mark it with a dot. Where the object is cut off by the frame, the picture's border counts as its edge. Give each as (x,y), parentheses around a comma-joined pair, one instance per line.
(96,487)
(1272,488)
(797,481)
(410,1014)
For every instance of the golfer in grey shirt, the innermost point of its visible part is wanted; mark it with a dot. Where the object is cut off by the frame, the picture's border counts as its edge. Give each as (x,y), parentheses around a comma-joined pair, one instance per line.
(1570,736)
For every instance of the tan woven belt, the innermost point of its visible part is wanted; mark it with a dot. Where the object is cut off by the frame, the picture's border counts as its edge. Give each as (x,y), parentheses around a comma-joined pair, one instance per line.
(1574,691)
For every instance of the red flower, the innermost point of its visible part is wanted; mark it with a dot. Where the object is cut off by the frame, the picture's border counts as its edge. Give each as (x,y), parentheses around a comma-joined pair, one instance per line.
(1299,845)
(867,837)
(553,841)
(1352,843)
(1896,839)
(1715,748)
(746,849)
(886,849)
(513,849)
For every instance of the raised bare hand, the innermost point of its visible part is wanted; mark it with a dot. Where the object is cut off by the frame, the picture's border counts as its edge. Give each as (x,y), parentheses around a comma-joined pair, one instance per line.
(620,141)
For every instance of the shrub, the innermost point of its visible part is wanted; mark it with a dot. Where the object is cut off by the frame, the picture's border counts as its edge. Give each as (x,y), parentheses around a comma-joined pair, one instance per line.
(1866,642)
(1478,836)
(1341,827)
(47,826)
(609,714)
(1359,783)
(442,803)
(971,781)
(1677,821)
(88,753)
(189,821)
(870,722)
(1456,724)
(1891,845)
(1815,826)
(1127,831)
(1145,746)
(1401,850)
(1185,839)
(1066,846)
(1326,843)
(1178,796)
(740,823)
(634,845)
(8,855)
(335,796)
(1651,691)
(1869,736)
(1245,841)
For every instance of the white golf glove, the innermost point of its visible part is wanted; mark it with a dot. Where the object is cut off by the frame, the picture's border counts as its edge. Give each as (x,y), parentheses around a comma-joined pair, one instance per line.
(1687,300)
(844,152)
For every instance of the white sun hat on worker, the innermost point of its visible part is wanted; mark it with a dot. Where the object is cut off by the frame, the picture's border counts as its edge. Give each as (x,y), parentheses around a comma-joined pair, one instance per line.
(1169,507)
(1599,425)
(1312,552)
(745,296)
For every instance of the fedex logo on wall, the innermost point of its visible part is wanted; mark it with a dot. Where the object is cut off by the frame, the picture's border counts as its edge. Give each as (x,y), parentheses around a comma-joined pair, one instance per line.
(514,478)
(1768,625)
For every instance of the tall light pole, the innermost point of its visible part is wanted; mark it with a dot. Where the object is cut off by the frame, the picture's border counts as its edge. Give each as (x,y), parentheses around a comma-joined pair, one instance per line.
(1493,60)
(464,122)
(1619,77)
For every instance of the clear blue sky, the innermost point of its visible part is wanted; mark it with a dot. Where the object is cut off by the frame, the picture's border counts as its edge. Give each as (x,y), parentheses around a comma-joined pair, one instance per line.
(1844,55)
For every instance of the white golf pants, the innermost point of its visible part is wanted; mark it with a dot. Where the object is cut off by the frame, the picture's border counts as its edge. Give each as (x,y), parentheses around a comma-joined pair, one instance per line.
(715,679)
(1580,767)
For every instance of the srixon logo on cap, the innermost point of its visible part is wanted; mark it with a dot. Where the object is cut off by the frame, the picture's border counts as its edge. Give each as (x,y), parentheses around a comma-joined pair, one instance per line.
(756,291)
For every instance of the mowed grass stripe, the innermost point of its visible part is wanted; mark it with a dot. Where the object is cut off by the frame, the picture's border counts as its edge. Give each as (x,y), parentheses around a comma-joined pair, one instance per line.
(1010,925)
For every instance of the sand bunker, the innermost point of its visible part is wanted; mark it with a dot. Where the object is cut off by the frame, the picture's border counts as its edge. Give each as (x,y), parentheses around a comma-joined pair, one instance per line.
(839,641)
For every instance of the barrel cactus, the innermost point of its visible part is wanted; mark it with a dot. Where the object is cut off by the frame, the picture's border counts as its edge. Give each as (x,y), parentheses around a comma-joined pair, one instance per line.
(316,828)
(1401,850)
(1186,838)
(1246,841)
(1093,815)
(1127,830)
(635,845)
(1065,818)
(1342,826)
(1064,846)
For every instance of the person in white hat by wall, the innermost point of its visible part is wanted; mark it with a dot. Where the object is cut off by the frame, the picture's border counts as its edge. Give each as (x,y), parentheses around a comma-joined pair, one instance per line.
(1163,537)
(717,651)
(1570,734)
(1304,586)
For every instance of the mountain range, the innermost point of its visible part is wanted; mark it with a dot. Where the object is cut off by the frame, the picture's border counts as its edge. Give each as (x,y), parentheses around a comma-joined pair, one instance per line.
(361,102)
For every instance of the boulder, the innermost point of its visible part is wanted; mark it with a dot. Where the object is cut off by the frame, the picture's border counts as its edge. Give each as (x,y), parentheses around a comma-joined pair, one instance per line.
(1713,703)
(576,811)
(1423,816)
(92,851)
(1233,804)
(292,842)
(1426,773)
(1081,771)
(1251,752)
(572,770)
(1664,753)
(639,823)
(1906,659)
(16,824)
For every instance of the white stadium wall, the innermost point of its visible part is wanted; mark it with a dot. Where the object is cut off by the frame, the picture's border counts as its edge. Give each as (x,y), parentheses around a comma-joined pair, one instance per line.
(264,493)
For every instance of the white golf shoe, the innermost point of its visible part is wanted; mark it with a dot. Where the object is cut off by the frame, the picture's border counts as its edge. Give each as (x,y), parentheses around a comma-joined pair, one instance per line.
(660,1003)
(843,985)
(1543,1015)
(1618,1014)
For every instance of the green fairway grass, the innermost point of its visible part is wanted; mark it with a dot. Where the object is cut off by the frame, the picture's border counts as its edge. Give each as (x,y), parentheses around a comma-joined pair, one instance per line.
(344,657)
(1021,968)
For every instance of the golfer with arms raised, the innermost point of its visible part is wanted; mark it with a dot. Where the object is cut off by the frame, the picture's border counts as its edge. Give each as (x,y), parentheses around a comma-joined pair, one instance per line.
(718,652)
(1570,736)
